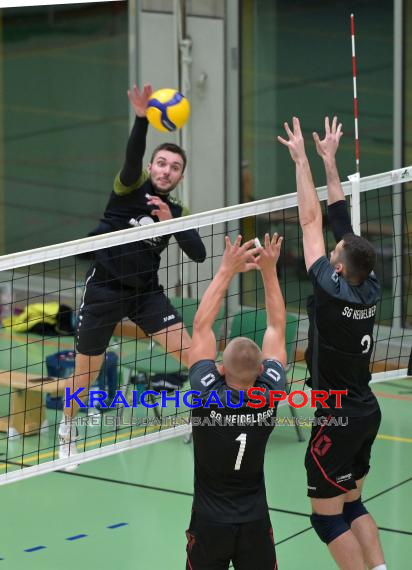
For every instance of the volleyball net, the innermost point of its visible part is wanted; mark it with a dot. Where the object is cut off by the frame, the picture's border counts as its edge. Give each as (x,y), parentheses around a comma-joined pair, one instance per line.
(41,291)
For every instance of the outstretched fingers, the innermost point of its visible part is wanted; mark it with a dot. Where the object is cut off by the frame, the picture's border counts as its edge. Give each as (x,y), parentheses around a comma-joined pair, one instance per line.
(283,141)
(287,129)
(147,90)
(238,241)
(228,243)
(296,127)
(135,91)
(248,244)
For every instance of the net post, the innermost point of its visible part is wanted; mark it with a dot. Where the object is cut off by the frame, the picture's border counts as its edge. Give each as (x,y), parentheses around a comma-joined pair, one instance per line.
(397,257)
(354,180)
(398,176)
(398,145)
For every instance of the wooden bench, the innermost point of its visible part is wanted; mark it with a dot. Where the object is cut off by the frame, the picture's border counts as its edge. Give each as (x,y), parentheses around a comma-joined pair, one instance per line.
(27,409)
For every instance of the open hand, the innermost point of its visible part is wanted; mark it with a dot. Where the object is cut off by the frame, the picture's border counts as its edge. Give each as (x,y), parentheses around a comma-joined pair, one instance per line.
(295,142)
(139,98)
(161,211)
(239,258)
(269,254)
(327,147)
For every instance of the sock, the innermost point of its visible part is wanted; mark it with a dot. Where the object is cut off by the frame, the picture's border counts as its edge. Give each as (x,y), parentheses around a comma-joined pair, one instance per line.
(380,567)
(65,423)
(67,427)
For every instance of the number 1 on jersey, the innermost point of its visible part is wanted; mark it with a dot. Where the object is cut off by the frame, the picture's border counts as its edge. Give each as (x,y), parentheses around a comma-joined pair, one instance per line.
(242,439)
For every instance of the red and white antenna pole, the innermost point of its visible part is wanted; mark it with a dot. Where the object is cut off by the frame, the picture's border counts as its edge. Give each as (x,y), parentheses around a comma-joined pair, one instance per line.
(355,178)
(355,93)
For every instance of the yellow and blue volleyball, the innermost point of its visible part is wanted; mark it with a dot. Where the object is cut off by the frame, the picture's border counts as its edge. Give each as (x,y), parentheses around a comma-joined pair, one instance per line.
(167,110)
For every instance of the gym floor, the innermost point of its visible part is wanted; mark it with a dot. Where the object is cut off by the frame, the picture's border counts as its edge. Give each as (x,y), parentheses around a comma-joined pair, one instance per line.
(132,508)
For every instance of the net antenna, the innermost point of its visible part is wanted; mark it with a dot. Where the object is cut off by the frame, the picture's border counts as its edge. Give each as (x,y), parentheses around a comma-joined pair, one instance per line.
(355,178)
(355,93)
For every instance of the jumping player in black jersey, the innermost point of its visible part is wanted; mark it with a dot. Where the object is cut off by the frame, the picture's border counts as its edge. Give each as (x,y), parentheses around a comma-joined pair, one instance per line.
(230,518)
(123,281)
(341,316)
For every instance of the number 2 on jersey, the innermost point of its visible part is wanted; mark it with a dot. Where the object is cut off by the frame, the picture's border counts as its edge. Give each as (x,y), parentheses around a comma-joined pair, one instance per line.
(366,343)
(242,439)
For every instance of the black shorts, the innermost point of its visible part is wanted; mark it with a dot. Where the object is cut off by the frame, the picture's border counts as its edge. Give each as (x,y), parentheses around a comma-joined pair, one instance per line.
(104,306)
(338,455)
(212,546)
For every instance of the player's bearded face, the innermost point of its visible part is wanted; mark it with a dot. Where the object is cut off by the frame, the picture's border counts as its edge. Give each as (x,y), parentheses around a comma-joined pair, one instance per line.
(166,171)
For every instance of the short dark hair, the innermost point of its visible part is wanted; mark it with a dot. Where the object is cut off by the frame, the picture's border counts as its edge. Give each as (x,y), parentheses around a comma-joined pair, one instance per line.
(171,147)
(359,257)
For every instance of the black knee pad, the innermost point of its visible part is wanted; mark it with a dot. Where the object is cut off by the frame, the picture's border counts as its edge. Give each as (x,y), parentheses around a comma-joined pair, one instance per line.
(354,509)
(329,527)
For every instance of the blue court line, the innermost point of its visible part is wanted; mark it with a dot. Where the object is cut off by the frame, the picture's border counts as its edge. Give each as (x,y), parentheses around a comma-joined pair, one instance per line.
(72,538)
(35,548)
(76,536)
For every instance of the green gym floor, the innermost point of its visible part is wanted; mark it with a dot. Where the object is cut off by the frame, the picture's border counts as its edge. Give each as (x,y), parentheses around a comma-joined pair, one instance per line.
(131,509)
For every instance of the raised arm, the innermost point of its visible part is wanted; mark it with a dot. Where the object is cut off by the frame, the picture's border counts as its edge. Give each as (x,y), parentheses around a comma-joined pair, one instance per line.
(191,243)
(310,214)
(236,259)
(136,145)
(338,214)
(273,345)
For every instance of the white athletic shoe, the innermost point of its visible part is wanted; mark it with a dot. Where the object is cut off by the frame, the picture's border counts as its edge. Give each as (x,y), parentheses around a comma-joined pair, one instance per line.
(68,435)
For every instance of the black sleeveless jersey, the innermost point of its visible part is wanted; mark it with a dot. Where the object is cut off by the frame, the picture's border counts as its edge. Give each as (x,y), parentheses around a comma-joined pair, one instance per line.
(229,445)
(344,315)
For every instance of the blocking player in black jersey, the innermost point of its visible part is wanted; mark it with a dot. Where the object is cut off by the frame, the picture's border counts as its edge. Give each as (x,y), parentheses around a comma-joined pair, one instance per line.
(341,315)
(230,519)
(123,281)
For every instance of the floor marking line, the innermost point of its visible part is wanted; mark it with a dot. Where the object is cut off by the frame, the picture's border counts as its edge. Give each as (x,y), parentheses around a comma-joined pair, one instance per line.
(110,439)
(34,549)
(397,438)
(76,537)
(293,536)
(393,396)
(388,489)
(126,483)
(408,532)
(286,512)
(186,494)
